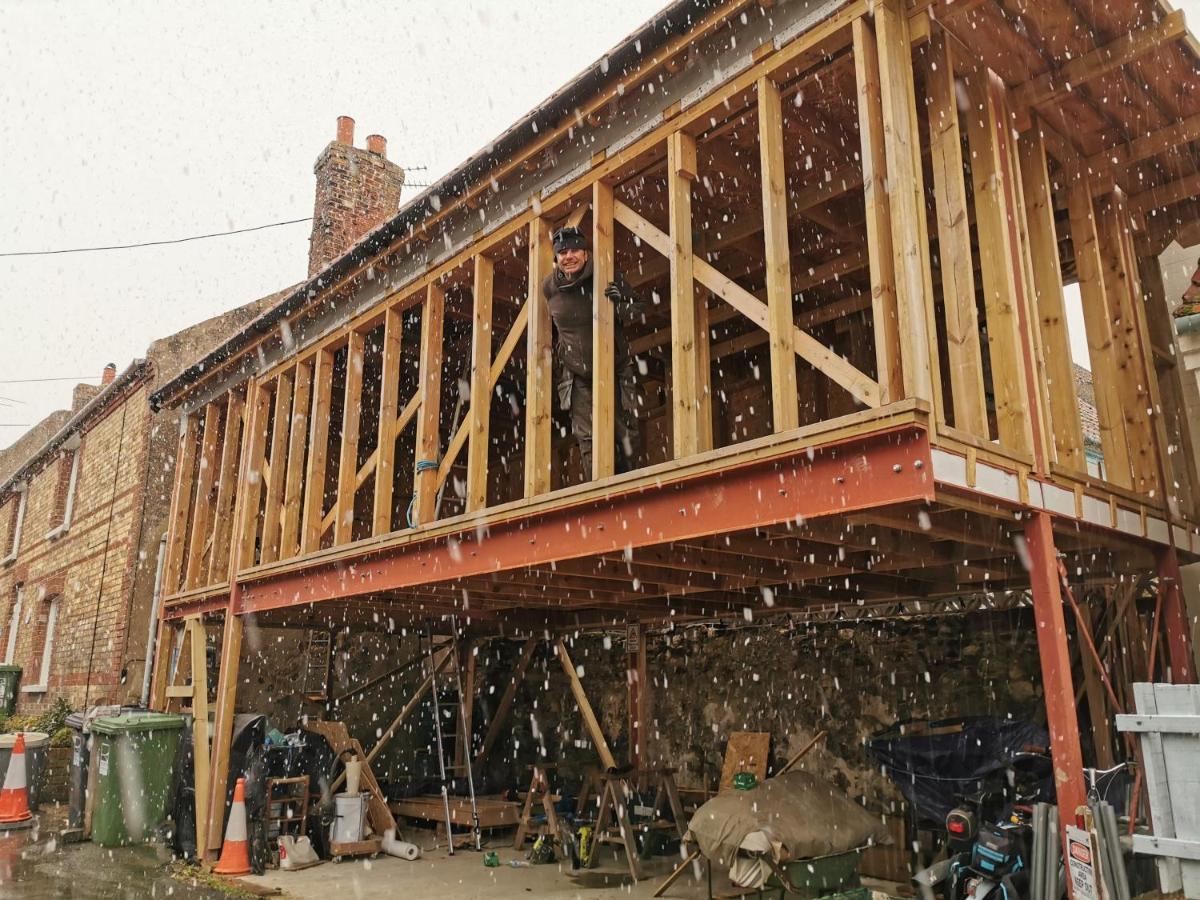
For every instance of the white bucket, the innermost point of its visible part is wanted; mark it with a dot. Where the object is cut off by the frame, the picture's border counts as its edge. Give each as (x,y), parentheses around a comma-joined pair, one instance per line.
(351,812)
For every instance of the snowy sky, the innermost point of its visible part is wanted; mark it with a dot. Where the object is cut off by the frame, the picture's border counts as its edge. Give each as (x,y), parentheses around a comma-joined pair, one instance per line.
(129,122)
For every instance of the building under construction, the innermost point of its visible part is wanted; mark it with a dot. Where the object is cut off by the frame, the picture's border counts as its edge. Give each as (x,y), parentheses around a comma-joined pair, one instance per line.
(853,224)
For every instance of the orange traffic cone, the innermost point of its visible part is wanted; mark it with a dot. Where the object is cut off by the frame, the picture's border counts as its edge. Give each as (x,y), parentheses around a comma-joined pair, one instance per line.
(235,852)
(14,796)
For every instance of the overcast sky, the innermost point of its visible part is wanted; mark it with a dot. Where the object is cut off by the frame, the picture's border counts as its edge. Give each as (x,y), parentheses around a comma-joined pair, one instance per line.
(130,122)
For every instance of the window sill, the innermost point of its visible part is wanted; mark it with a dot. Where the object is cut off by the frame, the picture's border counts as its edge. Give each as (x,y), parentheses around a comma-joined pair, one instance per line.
(58,531)
(34,689)
(8,560)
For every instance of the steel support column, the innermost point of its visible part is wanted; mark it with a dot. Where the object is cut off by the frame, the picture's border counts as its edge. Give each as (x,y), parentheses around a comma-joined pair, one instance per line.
(1175,619)
(1061,715)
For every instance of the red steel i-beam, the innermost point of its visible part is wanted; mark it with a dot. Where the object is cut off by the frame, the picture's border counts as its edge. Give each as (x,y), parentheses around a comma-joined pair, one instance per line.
(1061,715)
(878,469)
(1175,619)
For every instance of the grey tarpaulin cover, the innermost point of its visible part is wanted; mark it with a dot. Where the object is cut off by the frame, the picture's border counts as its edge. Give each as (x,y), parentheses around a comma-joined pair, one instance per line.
(801,816)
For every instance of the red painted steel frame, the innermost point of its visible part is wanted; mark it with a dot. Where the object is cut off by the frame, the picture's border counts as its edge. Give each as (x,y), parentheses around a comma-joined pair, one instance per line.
(878,469)
(1175,619)
(1061,715)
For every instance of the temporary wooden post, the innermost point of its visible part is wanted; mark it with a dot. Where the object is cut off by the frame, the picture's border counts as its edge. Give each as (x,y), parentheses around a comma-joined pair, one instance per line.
(500,717)
(1061,715)
(1133,373)
(785,408)
(343,523)
(201,504)
(1093,298)
(884,314)
(1049,309)
(603,334)
(222,738)
(428,448)
(273,508)
(293,494)
(389,400)
(997,254)
(258,405)
(218,560)
(539,393)
(481,386)
(954,241)
(685,370)
(906,195)
(638,694)
(181,503)
(198,647)
(590,722)
(318,453)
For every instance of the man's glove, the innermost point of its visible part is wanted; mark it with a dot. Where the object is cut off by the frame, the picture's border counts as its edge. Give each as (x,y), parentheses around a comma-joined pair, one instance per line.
(615,292)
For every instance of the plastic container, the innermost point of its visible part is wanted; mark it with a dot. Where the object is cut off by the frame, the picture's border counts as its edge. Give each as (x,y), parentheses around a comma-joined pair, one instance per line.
(37,743)
(351,817)
(134,758)
(10,680)
(81,756)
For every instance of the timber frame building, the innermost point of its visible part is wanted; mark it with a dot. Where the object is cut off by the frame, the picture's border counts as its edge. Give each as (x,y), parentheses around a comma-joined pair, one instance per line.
(855,221)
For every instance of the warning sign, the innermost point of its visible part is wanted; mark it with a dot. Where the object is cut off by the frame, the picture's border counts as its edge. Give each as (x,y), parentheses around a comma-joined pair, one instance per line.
(1081,864)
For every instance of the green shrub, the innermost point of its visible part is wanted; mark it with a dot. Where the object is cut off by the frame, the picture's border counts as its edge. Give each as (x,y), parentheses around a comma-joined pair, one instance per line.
(53,719)
(62,737)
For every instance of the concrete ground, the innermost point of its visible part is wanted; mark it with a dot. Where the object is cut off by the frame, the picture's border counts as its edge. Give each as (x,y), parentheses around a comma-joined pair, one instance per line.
(464,877)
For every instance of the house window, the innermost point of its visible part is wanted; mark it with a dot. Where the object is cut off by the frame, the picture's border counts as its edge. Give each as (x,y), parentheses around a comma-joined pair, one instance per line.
(18,519)
(64,494)
(43,639)
(14,621)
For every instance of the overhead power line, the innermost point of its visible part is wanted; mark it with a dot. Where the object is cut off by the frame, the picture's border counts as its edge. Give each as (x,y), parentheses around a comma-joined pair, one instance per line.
(40,380)
(197,237)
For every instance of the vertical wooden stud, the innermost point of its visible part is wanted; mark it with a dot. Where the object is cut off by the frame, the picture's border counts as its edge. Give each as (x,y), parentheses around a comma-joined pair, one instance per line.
(254,450)
(603,334)
(218,561)
(293,493)
(685,369)
(318,453)
(785,404)
(225,707)
(481,386)
(181,503)
(273,508)
(428,450)
(954,241)
(343,524)
(201,503)
(389,399)
(539,393)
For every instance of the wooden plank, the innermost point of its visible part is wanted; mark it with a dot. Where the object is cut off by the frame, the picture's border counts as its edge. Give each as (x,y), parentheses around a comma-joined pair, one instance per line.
(954,241)
(996,256)
(479,414)
(181,502)
(197,644)
(273,508)
(289,539)
(1123,156)
(428,422)
(515,332)
(884,314)
(861,386)
(227,483)
(318,452)
(1089,268)
(1049,304)
(343,525)
(591,723)
(1133,371)
(604,371)
(389,400)
(685,369)
(785,408)
(504,707)
(246,534)
(1056,84)
(914,291)
(202,502)
(1102,733)
(539,391)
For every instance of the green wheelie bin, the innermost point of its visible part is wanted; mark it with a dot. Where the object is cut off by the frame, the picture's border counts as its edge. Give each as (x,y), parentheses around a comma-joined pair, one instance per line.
(133,756)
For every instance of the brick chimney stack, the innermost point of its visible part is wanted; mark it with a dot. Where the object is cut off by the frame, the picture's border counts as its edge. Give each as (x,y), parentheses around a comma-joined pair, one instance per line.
(357,191)
(109,375)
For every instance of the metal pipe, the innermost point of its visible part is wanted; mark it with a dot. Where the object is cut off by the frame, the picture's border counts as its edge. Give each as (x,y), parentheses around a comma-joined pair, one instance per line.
(152,628)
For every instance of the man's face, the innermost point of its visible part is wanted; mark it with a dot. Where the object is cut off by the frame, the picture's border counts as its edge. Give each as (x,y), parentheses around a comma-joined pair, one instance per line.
(571,261)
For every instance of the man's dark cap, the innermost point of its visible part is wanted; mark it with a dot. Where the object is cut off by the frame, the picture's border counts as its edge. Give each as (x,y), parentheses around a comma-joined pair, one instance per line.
(568,238)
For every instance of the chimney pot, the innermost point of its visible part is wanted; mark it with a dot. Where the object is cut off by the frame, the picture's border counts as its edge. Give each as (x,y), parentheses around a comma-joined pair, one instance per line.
(109,375)
(345,130)
(377,144)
